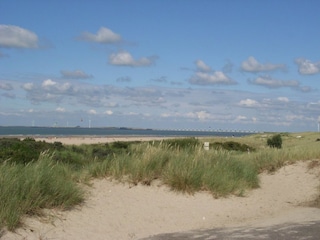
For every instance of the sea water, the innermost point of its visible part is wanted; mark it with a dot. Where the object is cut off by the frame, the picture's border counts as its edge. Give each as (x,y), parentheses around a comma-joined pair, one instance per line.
(80,131)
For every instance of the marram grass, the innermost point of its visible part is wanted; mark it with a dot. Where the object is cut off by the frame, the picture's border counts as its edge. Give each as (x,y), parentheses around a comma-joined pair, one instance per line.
(52,180)
(183,169)
(26,189)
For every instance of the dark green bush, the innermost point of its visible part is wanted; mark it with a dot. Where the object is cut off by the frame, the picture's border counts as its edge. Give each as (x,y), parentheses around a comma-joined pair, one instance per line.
(119,145)
(183,142)
(232,146)
(275,141)
(100,152)
(25,151)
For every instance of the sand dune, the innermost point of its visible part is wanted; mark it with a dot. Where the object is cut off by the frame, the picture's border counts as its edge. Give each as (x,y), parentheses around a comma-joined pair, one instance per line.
(120,211)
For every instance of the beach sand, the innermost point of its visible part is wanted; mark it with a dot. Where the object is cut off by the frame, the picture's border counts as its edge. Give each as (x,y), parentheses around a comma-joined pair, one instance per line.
(74,140)
(120,211)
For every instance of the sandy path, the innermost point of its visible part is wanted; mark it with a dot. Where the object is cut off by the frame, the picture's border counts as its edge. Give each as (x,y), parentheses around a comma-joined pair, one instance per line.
(73,140)
(118,211)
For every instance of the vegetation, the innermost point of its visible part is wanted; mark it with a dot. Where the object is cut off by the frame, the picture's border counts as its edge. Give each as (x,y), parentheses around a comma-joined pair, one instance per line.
(275,141)
(233,146)
(37,175)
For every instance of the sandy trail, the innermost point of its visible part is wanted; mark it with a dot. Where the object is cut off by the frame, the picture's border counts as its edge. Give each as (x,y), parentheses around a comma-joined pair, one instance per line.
(120,211)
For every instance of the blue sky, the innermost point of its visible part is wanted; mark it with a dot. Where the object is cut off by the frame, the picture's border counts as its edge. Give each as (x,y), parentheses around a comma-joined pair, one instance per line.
(178,64)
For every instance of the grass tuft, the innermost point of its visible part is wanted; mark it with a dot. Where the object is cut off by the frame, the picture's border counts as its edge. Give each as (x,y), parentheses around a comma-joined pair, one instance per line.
(27,189)
(37,175)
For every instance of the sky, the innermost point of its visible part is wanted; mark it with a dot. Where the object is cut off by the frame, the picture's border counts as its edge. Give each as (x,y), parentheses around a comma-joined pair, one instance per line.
(250,65)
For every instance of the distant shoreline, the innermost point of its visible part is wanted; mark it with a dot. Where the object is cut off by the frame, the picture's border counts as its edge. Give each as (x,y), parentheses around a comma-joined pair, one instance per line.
(111,132)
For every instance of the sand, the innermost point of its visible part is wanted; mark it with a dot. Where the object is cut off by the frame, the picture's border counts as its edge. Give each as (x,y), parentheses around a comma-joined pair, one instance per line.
(119,211)
(73,140)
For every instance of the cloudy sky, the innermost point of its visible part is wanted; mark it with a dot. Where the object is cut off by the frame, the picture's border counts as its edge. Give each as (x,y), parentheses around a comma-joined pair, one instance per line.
(165,64)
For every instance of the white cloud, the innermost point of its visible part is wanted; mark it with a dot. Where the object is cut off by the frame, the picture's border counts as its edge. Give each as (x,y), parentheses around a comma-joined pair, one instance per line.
(76,74)
(124,58)
(60,109)
(171,107)
(51,85)
(28,86)
(240,118)
(306,67)
(201,115)
(92,112)
(269,82)
(252,65)
(48,83)
(6,86)
(283,99)
(108,112)
(201,66)
(203,78)
(17,37)
(104,35)
(248,103)
(9,95)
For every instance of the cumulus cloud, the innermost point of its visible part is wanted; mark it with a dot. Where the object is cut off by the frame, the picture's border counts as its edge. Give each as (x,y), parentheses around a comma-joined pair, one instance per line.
(48,90)
(17,37)
(252,65)
(9,95)
(48,83)
(201,66)
(240,118)
(201,115)
(76,74)
(204,78)
(92,112)
(248,103)
(124,58)
(104,35)
(28,86)
(283,99)
(108,112)
(272,83)
(227,68)
(204,75)
(60,109)
(6,86)
(306,67)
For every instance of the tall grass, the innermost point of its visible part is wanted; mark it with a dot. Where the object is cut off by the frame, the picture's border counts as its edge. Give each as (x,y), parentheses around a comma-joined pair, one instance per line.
(51,179)
(26,189)
(183,169)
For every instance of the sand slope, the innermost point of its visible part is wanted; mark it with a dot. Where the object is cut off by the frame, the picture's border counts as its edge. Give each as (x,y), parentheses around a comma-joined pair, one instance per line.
(120,211)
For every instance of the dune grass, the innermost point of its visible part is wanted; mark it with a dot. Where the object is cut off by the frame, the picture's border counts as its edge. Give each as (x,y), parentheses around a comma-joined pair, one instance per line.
(51,179)
(26,189)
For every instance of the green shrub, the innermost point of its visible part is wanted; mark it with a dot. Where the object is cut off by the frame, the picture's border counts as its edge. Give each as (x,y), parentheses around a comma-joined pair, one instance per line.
(181,143)
(25,151)
(232,146)
(275,141)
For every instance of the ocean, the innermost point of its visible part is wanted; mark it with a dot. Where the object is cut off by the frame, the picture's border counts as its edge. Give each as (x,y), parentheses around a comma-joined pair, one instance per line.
(79,131)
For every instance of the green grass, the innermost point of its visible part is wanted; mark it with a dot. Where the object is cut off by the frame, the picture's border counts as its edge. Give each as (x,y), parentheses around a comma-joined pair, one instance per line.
(26,189)
(38,175)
